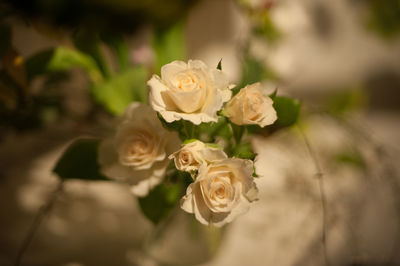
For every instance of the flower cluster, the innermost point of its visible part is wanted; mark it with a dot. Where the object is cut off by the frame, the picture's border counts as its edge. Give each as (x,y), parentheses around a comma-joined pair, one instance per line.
(141,149)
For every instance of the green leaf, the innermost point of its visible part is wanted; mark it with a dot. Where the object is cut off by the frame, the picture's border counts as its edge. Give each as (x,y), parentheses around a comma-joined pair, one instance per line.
(117,42)
(384,17)
(209,131)
(88,42)
(173,126)
(244,151)
(219,66)
(160,201)
(254,71)
(189,141)
(169,45)
(61,59)
(287,110)
(266,28)
(79,161)
(273,94)
(346,101)
(5,37)
(238,132)
(116,93)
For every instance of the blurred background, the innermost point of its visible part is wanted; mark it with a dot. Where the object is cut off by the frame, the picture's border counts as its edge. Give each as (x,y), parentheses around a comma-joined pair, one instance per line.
(67,68)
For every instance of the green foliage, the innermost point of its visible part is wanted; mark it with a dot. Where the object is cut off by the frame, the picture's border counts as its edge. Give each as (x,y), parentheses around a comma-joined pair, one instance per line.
(384,17)
(5,37)
(160,201)
(116,93)
(287,109)
(238,132)
(244,151)
(266,28)
(189,141)
(209,131)
(118,44)
(79,161)
(219,66)
(254,71)
(88,42)
(169,45)
(346,101)
(61,59)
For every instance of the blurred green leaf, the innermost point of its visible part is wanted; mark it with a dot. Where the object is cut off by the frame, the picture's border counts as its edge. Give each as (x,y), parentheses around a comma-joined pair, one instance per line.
(238,132)
(5,39)
(351,158)
(160,201)
(169,45)
(266,28)
(209,131)
(287,110)
(118,44)
(384,17)
(88,42)
(116,93)
(254,71)
(346,101)
(79,161)
(61,59)
(244,151)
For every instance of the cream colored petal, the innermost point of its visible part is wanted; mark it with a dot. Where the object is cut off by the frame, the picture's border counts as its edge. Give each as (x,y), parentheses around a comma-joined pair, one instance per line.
(170,70)
(252,193)
(157,98)
(143,187)
(212,154)
(201,211)
(240,209)
(270,115)
(117,171)
(220,80)
(187,203)
(106,153)
(197,64)
(196,118)
(188,102)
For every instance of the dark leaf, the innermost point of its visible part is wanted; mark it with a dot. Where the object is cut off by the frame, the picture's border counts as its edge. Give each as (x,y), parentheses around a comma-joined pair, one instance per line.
(5,37)
(88,42)
(288,111)
(219,66)
(79,161)
(160,201)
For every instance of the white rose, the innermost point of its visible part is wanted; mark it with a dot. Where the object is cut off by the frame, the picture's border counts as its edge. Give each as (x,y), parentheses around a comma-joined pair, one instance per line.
(189,91)
(222,191)
(192,155)
(137,154)
(251,106)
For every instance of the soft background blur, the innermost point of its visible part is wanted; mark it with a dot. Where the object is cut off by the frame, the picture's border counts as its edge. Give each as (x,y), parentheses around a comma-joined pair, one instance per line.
(340,58)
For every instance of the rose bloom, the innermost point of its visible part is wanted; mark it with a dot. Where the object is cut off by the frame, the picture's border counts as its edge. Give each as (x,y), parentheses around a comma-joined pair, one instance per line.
(251,106)
(138,153)
(190,91)
(192,155)
(221,191)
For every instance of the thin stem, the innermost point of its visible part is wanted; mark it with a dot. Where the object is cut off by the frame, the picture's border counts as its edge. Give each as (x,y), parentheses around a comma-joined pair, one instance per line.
(320,179)
(45,209)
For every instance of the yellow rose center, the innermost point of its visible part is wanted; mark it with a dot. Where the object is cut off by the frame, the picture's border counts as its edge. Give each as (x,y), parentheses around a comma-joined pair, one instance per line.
(139,148)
